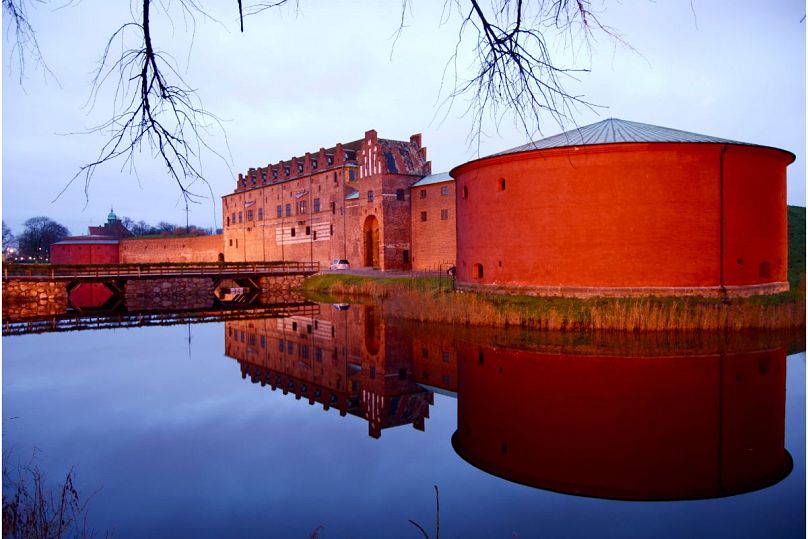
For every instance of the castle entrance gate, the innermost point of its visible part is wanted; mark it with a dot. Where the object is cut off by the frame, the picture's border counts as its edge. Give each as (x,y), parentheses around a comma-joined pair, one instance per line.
(370,242)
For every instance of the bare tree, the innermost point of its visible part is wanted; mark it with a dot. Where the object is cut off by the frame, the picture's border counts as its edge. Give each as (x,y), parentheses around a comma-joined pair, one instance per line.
(39,234)
(24,45)
(8,236)
(514,73)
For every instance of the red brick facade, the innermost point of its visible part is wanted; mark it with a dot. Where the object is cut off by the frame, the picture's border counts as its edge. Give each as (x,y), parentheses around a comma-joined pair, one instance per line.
(190,249)
(625,219)
(433,225)
(351,201)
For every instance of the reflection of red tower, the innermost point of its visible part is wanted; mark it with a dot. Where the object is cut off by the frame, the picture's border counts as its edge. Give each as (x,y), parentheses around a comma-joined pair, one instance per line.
(641,428)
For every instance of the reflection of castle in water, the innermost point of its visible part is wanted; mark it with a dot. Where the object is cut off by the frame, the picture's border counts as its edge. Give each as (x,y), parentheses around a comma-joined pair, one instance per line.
(343,358)
(625,417)
(640,427)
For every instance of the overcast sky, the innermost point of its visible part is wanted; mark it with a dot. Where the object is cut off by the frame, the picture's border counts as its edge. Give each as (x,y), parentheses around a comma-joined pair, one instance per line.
(294,82)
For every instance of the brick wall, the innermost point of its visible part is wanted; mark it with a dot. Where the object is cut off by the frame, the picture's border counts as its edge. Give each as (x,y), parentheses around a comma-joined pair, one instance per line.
(190,249)
(433,240)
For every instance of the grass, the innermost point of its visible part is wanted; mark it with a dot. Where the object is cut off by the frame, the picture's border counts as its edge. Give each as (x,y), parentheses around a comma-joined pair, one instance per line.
(429,299)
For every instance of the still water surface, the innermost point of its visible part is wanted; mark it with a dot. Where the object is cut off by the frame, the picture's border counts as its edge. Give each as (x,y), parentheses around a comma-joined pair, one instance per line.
(341,419)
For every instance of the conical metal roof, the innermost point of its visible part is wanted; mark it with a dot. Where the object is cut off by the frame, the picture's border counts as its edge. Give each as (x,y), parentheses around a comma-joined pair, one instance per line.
(614,131)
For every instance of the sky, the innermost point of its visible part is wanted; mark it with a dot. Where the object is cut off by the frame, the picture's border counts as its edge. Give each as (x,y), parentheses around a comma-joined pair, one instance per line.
(300,79)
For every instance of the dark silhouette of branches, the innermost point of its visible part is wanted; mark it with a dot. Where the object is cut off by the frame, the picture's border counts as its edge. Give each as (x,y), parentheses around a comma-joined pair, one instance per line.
(34,509)
(515,72)
(24,43)
(153,106)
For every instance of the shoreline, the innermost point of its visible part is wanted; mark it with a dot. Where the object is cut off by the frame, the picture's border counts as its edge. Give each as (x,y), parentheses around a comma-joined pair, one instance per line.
(429,299)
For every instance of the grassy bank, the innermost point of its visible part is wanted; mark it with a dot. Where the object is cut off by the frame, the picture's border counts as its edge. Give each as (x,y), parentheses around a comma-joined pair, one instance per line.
(430,300)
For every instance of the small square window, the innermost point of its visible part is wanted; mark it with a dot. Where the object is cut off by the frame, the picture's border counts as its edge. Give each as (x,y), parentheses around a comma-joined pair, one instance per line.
(444,215)
(444,191)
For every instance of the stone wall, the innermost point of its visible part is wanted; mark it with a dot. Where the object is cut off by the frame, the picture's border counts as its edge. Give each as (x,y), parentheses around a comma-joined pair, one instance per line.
(281,289)
(190,249)
(33,298)
(169,294)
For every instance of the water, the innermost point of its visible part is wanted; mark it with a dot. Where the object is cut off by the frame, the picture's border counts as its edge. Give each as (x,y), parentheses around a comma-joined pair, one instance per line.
(172,432)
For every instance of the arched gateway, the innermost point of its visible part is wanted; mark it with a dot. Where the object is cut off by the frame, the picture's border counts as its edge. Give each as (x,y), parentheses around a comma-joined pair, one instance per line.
(370,242)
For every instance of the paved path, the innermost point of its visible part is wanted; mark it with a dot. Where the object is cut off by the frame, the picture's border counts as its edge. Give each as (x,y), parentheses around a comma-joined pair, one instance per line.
(370,272)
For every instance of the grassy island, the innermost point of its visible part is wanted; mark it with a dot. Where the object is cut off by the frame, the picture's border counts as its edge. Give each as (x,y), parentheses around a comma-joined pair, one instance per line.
(431,299)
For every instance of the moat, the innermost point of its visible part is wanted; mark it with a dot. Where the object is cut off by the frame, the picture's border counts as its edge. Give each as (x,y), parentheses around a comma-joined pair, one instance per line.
(275,423)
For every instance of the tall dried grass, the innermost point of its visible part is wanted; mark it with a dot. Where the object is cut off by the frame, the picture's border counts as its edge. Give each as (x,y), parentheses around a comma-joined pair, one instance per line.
(425,300)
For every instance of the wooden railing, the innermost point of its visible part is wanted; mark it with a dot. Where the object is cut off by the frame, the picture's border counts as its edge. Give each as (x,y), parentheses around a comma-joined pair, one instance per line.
(109,271)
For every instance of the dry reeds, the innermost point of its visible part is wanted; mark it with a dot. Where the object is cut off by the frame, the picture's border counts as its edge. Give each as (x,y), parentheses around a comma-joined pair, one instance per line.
(424,301)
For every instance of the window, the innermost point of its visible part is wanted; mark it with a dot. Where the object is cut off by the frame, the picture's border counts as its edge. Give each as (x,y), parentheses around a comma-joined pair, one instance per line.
(316,205)
(444,191)
(293,232)
(263,341)
(304,351)
(231,243)
(260,214)
(444,215)
(251,339)
(240,217)
(228,221)
(318,354)
(351,174)
(236,243)
(502,184)
(399,194)
(477,272)
(249,215)
(423,193)
(279,209)
(314,235)
(423,216)
(465,191)
(290,347)
(288,210)
(302,206)
(308,231)
(331,229)
(234,217)
(281,345)
(370,196)
(333,207)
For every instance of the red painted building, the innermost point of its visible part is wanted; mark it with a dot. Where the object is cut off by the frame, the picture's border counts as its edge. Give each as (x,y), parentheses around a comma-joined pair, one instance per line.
(623,208)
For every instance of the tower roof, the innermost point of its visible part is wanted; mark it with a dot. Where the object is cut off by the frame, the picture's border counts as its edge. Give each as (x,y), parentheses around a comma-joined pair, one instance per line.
(615,131)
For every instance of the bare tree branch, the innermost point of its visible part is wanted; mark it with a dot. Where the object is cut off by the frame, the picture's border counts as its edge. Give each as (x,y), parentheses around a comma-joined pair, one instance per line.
(153,107)
(24,43)
(515,73)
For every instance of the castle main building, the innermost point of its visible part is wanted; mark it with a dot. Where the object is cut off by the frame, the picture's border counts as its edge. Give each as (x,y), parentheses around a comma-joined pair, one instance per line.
(352,201)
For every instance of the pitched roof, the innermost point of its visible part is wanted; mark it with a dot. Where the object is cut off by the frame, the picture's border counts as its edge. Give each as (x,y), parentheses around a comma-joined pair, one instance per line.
(434,178)
(615,131)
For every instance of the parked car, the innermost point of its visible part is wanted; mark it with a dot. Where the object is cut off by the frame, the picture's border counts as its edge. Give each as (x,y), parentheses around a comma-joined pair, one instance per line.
(340,264)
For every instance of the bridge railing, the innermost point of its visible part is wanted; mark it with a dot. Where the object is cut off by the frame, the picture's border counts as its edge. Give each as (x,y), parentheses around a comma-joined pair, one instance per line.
(168,269)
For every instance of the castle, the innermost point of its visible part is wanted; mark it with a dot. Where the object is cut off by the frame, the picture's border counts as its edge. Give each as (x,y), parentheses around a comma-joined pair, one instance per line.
(373,202)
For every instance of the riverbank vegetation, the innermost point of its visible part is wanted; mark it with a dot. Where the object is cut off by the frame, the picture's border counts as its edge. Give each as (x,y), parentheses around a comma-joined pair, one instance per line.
(432,299)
